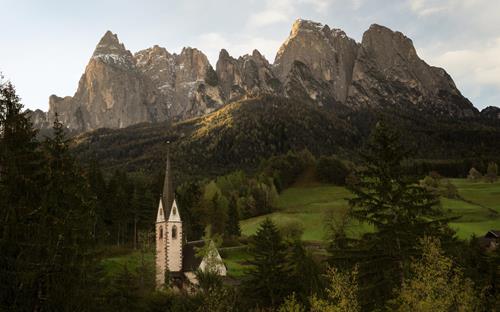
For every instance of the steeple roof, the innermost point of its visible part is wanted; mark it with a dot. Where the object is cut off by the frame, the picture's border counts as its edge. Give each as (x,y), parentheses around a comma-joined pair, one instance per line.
(174,213)
(160,216)
(167,196)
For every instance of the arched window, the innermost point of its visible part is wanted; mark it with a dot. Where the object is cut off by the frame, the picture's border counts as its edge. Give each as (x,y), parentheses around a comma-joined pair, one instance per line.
(174,231)
(161,232)
(175,211)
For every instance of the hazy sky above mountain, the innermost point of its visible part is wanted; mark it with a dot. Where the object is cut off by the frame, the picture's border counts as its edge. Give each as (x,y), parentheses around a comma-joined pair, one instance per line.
(46,45)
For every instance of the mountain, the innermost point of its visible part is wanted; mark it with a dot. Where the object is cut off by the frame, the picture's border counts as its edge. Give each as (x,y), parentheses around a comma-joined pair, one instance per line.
(491,112)
(119,89)
(388,73)
(317,65)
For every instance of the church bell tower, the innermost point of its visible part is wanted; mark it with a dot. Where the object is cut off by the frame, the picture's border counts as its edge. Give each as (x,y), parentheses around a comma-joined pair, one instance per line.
(168,231)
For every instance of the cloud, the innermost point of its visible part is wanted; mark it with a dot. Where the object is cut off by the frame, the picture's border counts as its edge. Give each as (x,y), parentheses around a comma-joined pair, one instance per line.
(318,5)
(322,6)
(279,11)
(479,66)
(475,70)
(267,17)
(275,11)
(429,7)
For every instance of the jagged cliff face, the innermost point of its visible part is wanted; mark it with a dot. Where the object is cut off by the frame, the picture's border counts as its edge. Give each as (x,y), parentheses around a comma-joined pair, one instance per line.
(491,112)
(328,53)
(247,76)
(317,64)
(388,73)
(181,82)
(119,89)
(111,93)
(38,118)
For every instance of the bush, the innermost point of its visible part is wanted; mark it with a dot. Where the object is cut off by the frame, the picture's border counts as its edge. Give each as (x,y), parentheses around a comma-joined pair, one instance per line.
(292,230)
(285,169)
(332,170)
(492,172)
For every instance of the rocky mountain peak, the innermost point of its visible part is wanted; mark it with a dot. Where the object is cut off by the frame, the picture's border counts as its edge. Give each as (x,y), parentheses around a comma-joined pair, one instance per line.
(110,50)
(316,63)
(305,25)
(223,54)
(384,42)
(491,112)
(329,55)
(389,73)
(256,54)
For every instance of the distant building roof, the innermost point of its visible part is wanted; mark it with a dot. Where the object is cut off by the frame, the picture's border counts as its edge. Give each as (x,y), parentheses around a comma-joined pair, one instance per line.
(190,262)
(493,234)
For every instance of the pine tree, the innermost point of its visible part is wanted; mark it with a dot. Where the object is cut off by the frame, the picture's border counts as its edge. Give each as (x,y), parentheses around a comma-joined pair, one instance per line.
(44,212)
(189,199)
(267,281)
(218,213)
(233,219)
(97,186)
(65,224)
(20,177)
(398,208)
(305,274)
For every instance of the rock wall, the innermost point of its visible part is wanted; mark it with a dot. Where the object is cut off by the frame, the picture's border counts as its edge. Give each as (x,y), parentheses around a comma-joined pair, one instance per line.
(318,64)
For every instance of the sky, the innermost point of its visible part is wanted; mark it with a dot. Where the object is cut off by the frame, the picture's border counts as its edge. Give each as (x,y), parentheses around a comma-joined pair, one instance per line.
(45,45)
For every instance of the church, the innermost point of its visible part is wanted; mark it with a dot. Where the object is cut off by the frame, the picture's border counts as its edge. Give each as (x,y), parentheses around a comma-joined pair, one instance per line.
(176,258)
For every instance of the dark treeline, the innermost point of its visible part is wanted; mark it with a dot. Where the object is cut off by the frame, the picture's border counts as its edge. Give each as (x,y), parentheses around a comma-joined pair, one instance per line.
(59,219)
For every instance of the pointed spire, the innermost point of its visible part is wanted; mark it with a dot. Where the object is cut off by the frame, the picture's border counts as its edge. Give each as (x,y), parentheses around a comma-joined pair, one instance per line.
(168,190)
(174,213)
(160,215)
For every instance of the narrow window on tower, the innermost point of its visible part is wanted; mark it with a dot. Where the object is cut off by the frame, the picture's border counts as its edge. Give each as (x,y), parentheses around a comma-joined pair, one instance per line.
(174,232)
(161,232)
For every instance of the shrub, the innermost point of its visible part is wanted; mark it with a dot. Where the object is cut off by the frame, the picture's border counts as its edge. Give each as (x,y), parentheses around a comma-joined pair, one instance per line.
(332,170)
(492,172)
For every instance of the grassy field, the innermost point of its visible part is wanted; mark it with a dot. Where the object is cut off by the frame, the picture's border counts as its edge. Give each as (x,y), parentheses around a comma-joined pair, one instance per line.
(235,260)
(478,209)
(132,261)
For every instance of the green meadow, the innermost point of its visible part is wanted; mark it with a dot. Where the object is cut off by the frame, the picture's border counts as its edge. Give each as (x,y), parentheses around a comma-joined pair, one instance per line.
(478,209)
(133,261)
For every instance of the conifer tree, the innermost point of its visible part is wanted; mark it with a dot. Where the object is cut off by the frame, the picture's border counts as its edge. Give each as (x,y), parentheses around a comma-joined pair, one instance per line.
(398,208)
(97,186)
(21,179)
(267,281)
(233,219)
(44,221)
(65,225)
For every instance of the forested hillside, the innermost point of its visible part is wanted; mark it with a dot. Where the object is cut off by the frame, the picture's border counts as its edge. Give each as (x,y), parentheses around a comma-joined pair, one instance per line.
(241,134)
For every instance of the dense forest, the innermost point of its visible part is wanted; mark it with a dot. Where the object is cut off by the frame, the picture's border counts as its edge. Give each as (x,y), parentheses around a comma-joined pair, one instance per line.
(65,205)
(241,135)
